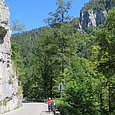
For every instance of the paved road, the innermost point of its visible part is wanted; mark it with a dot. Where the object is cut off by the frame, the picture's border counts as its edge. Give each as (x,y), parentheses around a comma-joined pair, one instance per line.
(30,109)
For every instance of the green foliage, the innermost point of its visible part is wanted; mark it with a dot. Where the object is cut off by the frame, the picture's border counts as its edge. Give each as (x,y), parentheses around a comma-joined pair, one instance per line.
(79,97)
(105,37)
(5,101)
(64,107)
(16,58)
(15,51)
(63,40)
(106,57)
(20,90)
(84,43)
(56,53)
(75,24)
(80,88)
(97,5)
(17,26)
(10,81)
(61,13)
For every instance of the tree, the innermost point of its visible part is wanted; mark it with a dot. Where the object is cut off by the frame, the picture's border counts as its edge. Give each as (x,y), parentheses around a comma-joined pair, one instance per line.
(16,58)
(63,33)
(81,87)
(47,51)
(17,26)
(61,13)
(106,40)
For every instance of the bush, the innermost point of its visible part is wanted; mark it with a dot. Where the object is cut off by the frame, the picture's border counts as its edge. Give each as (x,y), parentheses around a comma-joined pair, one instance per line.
(64,107)
(20,90)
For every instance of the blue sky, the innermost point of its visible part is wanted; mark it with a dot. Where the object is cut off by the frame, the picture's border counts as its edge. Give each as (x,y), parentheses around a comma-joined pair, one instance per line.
(32,12)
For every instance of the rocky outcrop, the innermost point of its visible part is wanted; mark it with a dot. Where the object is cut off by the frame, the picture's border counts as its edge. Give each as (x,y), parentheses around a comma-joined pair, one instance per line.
(9,96)
(91,18)
(92,15)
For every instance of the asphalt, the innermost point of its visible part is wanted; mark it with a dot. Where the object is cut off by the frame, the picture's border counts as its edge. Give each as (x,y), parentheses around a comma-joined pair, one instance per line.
(30,109)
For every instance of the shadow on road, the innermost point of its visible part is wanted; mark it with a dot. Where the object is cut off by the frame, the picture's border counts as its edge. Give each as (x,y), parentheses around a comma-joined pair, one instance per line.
(50,113)
(46,113)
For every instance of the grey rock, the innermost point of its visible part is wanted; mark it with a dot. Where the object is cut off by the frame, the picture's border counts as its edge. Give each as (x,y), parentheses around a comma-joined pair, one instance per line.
(9,97)
(91,18)
(94,17)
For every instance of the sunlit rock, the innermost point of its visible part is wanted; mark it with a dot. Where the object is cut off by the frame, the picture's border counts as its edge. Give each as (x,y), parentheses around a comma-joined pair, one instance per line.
(9,97)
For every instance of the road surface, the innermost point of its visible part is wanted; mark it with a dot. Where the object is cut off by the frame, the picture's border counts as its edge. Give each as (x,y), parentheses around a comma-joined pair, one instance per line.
(30,109)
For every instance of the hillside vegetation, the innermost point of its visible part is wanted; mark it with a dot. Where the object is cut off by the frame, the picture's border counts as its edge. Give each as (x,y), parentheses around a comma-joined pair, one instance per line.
(98,5)
(82,60)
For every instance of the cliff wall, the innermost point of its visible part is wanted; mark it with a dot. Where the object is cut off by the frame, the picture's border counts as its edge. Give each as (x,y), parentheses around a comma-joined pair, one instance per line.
(94,12)
(9,97)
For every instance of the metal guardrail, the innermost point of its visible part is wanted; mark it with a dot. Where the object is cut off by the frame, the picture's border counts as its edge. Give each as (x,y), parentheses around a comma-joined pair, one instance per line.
(35,100)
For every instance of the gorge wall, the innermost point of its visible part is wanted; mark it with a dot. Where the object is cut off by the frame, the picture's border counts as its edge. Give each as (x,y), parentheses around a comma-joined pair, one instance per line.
(9,96)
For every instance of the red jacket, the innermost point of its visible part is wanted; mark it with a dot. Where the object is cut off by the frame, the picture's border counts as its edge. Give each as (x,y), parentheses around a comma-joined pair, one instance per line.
(49,102)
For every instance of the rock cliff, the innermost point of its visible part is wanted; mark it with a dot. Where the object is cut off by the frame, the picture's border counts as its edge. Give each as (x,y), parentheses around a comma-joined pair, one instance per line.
(94,12)
(89,18)
(9,96)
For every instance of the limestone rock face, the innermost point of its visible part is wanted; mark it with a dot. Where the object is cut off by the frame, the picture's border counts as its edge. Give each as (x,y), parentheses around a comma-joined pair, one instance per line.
(9,97)
(94,16)
(91,18)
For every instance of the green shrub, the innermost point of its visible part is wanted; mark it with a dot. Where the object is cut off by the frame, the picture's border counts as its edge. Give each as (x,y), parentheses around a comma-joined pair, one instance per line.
(5,102)
(20,90)
(10,81)
(64,108)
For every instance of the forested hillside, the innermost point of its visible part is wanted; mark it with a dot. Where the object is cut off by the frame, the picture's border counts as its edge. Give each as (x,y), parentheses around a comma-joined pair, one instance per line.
(59,53)
(98,5)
